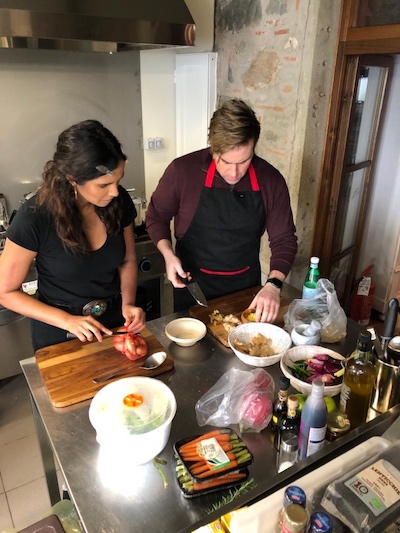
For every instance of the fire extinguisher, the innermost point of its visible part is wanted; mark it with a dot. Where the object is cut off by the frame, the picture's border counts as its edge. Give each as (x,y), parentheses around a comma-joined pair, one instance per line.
(361,301)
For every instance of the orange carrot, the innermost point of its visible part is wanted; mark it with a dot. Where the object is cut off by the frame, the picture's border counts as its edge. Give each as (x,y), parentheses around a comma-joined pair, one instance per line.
(201,466)
(192,458)
(214,433)
(232,464)
(197,464)
(217,482)
(226,446)
(223,439)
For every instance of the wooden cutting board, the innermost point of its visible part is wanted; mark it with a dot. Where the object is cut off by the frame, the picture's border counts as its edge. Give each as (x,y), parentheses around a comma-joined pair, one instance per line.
(68,368)
(234,304)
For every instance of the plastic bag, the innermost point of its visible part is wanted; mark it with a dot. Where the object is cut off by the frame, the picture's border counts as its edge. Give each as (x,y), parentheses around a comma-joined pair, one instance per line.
(367,498)
(324,307)
(241,397)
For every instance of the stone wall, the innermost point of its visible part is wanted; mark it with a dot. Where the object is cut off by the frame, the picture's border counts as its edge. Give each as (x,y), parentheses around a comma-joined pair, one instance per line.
(278,56)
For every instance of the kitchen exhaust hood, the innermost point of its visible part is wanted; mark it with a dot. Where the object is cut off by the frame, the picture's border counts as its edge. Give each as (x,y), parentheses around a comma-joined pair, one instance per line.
(95,25)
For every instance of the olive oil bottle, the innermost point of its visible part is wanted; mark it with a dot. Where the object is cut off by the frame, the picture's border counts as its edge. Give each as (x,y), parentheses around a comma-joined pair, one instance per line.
(358,381)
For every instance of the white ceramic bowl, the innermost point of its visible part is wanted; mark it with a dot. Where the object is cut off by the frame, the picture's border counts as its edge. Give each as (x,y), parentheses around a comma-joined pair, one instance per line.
(306,352)
(137,433)
(281,341)
(185,331)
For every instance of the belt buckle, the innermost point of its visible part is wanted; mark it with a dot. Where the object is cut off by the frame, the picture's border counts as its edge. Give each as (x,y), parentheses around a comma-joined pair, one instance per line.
(95,308)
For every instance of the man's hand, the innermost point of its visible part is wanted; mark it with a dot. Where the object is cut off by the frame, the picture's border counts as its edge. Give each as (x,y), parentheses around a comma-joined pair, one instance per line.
(266,303)
(173,265)
(175,272)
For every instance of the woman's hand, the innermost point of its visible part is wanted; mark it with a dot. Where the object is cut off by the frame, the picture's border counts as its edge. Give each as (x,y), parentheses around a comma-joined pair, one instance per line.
(135,318)
(86,328)
(266,303)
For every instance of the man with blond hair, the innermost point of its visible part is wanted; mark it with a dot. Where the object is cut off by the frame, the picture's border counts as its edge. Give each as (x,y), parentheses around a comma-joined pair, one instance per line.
(222,199)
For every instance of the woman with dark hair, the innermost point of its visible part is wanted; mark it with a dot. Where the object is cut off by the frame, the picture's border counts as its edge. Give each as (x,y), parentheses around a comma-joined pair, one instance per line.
(79,229)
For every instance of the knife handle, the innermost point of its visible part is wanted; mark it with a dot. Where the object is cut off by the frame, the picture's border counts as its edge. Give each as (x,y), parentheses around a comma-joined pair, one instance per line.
(390,319)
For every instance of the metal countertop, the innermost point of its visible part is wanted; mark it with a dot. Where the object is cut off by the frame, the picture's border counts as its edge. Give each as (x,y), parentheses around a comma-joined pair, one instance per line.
(139,502)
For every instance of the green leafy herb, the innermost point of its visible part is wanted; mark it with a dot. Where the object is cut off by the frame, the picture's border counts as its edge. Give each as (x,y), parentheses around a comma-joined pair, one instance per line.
(232,494)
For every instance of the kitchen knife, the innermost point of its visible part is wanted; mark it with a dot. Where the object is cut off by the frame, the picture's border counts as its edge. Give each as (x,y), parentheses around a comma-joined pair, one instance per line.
(389,323)
(195,291)
(377,345)
(72,336)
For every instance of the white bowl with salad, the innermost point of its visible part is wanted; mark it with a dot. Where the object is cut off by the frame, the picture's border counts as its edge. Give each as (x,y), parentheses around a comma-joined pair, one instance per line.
(132,418)
(303,364)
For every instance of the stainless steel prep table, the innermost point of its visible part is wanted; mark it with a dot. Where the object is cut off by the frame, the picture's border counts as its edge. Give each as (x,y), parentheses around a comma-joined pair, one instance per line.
(144,504)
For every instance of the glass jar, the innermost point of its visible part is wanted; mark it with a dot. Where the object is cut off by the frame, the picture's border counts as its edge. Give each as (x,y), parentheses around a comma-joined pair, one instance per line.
(292,494)
(288,450)
(337,425)
(320,522)
(294,519)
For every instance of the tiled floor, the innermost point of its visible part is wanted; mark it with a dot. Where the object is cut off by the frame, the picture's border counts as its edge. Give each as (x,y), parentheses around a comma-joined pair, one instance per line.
(23,490)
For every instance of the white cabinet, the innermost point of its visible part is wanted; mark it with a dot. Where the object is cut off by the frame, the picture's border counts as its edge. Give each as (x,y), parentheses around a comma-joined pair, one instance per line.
(195,78)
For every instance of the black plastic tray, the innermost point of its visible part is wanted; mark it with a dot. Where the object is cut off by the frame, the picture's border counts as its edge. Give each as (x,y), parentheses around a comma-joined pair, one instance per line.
(208,490)
(188,464)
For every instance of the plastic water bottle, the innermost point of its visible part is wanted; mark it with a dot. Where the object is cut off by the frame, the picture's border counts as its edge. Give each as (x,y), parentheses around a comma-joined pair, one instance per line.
(313,421)
(310,283)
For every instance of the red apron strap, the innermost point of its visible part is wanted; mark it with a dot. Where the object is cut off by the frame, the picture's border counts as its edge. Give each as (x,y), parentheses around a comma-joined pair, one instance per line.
(210,174)
(253,178)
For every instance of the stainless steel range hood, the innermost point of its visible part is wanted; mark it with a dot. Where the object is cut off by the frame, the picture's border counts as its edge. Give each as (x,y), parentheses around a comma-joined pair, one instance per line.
(95,25)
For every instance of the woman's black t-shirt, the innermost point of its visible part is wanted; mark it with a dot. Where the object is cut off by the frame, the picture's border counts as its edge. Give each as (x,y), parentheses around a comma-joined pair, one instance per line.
(62,277)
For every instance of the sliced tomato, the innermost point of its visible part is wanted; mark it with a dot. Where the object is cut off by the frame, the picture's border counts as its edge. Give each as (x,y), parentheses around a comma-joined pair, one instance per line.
(133,400)
(131,345)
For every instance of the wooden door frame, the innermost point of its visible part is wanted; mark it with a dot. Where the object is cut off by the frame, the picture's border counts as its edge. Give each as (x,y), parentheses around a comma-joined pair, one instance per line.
(353,41)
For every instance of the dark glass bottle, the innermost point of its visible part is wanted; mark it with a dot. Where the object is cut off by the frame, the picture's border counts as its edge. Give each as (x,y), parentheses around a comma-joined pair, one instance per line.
(280,404)
(289,421)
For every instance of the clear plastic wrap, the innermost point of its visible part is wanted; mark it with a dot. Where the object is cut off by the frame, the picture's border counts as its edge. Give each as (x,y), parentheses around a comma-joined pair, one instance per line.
(367,499)
(324,307)
(241,397)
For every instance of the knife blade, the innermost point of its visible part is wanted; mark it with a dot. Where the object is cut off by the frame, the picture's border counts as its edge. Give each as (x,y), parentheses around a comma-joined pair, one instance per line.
(194,289)
(72,336)
(377,344)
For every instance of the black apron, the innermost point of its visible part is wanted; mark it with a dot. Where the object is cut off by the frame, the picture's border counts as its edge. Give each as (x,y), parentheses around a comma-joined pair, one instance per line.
(222,245)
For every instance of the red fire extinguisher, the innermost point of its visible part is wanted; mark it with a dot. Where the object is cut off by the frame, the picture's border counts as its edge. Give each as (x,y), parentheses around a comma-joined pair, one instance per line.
(361,301)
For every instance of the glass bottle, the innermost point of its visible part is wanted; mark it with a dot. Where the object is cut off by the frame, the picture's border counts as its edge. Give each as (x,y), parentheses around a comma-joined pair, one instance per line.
(313,421)
(280,404)
(289,421)
(358,382)
(310,282)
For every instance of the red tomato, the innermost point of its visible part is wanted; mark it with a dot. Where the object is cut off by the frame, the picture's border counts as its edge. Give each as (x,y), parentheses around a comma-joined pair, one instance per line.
(131,345)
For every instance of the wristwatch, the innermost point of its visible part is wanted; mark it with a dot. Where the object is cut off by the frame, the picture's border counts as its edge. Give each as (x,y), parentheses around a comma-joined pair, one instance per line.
(275,282)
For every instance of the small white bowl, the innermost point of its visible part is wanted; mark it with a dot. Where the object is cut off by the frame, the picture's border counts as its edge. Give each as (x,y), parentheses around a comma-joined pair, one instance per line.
(185,331)
(281,341)
(306,352)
